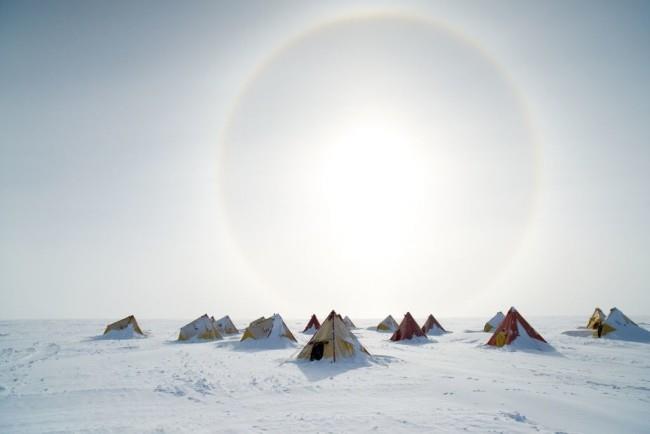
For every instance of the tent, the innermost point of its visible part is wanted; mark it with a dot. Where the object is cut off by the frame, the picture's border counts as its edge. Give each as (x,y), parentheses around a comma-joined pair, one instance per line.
(201,328)
(513,327)
(388,324)
(312,325)
(432,326)
(494,322)
(125,324)
(333,341)
(596,319)
(348,322)
(267,328)
(226,326)
(407,329)
(618,326)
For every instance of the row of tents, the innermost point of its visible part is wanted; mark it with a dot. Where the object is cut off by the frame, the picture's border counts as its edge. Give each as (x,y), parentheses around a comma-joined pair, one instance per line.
(204,327)
(388,324)
(431,325)
(333,338)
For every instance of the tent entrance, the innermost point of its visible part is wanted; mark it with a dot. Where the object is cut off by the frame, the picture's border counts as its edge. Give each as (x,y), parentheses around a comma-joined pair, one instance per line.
(502,337)
(317,351)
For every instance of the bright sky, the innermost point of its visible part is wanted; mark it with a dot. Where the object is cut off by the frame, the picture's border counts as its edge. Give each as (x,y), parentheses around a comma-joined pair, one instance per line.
(169,159)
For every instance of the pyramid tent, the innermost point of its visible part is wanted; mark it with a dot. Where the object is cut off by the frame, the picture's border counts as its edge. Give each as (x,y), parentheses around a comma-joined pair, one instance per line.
(201,328)
(312,325)
(226,326)
(512,328)
(494,322)
(125,324)
(432,326)
(388,324)
(268,328)
(596,319)
(618,326)
(348,322)
(333,341)
(407,329)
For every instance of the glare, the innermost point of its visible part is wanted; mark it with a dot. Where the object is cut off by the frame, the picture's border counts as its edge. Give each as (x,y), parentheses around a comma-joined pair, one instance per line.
(371,185)
(362,174)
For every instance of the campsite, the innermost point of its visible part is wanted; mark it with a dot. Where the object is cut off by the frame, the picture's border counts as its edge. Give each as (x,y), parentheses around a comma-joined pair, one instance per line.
(448,382)
(332,217)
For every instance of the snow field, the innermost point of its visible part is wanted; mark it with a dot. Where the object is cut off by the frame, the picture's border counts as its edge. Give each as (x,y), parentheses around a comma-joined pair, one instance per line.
(56,376)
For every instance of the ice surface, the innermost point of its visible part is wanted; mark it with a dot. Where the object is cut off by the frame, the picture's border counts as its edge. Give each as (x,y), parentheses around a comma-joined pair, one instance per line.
(55,377)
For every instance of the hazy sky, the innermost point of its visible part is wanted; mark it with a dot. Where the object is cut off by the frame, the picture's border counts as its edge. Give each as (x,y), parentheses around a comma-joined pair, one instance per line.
(172,158)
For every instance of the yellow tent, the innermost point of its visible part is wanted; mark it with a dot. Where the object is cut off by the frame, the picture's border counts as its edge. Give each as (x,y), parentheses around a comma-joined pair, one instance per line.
(332,341)
(388,324)
(124,323)
(596,319)
(265,328)
(201,328)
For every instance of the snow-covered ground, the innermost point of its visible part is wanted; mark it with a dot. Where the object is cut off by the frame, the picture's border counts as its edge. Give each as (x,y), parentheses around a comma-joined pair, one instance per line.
(55,376)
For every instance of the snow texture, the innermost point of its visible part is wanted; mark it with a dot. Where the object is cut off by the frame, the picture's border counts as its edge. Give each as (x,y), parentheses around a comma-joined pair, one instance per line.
(56,377)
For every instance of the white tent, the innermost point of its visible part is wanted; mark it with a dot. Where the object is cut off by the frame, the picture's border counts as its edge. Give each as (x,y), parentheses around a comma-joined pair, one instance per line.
(494,322)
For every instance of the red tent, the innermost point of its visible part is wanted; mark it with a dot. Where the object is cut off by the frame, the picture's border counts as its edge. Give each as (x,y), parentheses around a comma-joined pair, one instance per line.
(509,328)
(430,323)
(407,329)
(313,323)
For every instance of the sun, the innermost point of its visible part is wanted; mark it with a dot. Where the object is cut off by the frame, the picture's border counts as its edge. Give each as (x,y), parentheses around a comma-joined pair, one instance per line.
(366,157)
(371,184)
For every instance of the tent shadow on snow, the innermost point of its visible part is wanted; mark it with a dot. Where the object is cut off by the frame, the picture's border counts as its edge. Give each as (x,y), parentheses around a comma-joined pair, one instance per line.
(582,333)
(111,338)
(415,342)
(588,334)
(320,370)
(254,346)
(545,350)
(118,336)
(324,369)
(636,339)
(192,341)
